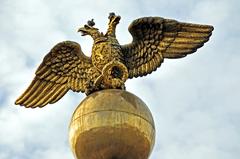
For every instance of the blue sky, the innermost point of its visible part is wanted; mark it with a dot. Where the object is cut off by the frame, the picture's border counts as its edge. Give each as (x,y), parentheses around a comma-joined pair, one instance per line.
(194,100)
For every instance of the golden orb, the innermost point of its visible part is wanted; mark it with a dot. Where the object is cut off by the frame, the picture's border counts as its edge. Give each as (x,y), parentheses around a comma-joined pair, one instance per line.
(112,124)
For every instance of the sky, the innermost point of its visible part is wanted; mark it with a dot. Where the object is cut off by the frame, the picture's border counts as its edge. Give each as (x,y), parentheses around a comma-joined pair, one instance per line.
(194,100)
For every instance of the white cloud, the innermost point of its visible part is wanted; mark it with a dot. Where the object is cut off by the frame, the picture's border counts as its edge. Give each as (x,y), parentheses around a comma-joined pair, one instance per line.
(194,100)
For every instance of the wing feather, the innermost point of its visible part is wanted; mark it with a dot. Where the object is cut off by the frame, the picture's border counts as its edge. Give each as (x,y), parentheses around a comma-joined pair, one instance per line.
(63,68)
(156,38)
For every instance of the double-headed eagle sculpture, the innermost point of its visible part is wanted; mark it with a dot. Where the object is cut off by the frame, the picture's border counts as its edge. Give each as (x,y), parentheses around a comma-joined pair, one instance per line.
(66,67)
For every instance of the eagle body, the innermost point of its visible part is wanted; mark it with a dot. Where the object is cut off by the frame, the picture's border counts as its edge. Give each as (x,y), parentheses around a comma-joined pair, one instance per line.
(105,50)
(66,67)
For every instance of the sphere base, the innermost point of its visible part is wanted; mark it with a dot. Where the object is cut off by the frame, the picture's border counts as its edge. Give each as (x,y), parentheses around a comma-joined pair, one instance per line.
(112,124)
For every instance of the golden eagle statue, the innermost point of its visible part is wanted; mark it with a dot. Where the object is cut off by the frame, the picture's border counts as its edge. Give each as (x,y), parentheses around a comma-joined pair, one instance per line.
(65,67)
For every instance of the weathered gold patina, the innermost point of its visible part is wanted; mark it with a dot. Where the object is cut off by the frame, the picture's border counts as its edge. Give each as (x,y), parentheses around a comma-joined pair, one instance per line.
(112,124)
(65,67)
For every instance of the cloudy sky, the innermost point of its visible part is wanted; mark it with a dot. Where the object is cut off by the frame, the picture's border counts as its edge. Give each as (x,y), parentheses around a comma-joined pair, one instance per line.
(194,100)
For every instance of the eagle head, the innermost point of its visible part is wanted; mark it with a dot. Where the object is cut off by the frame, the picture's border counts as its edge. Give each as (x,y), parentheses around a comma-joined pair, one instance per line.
(89,29)
(114,20)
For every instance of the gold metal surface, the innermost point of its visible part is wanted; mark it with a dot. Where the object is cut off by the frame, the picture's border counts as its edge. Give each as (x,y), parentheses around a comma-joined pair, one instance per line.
(112,124)
(66,67)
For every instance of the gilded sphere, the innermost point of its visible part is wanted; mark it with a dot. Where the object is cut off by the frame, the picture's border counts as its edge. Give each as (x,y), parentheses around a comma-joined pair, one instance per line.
(112,124)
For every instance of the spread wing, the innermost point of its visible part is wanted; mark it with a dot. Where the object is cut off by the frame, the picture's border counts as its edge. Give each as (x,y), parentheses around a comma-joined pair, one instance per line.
(155,38)
(63,68)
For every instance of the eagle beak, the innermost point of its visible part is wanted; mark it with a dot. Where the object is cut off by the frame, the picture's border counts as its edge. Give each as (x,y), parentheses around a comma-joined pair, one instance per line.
(83,31)
(117,19)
